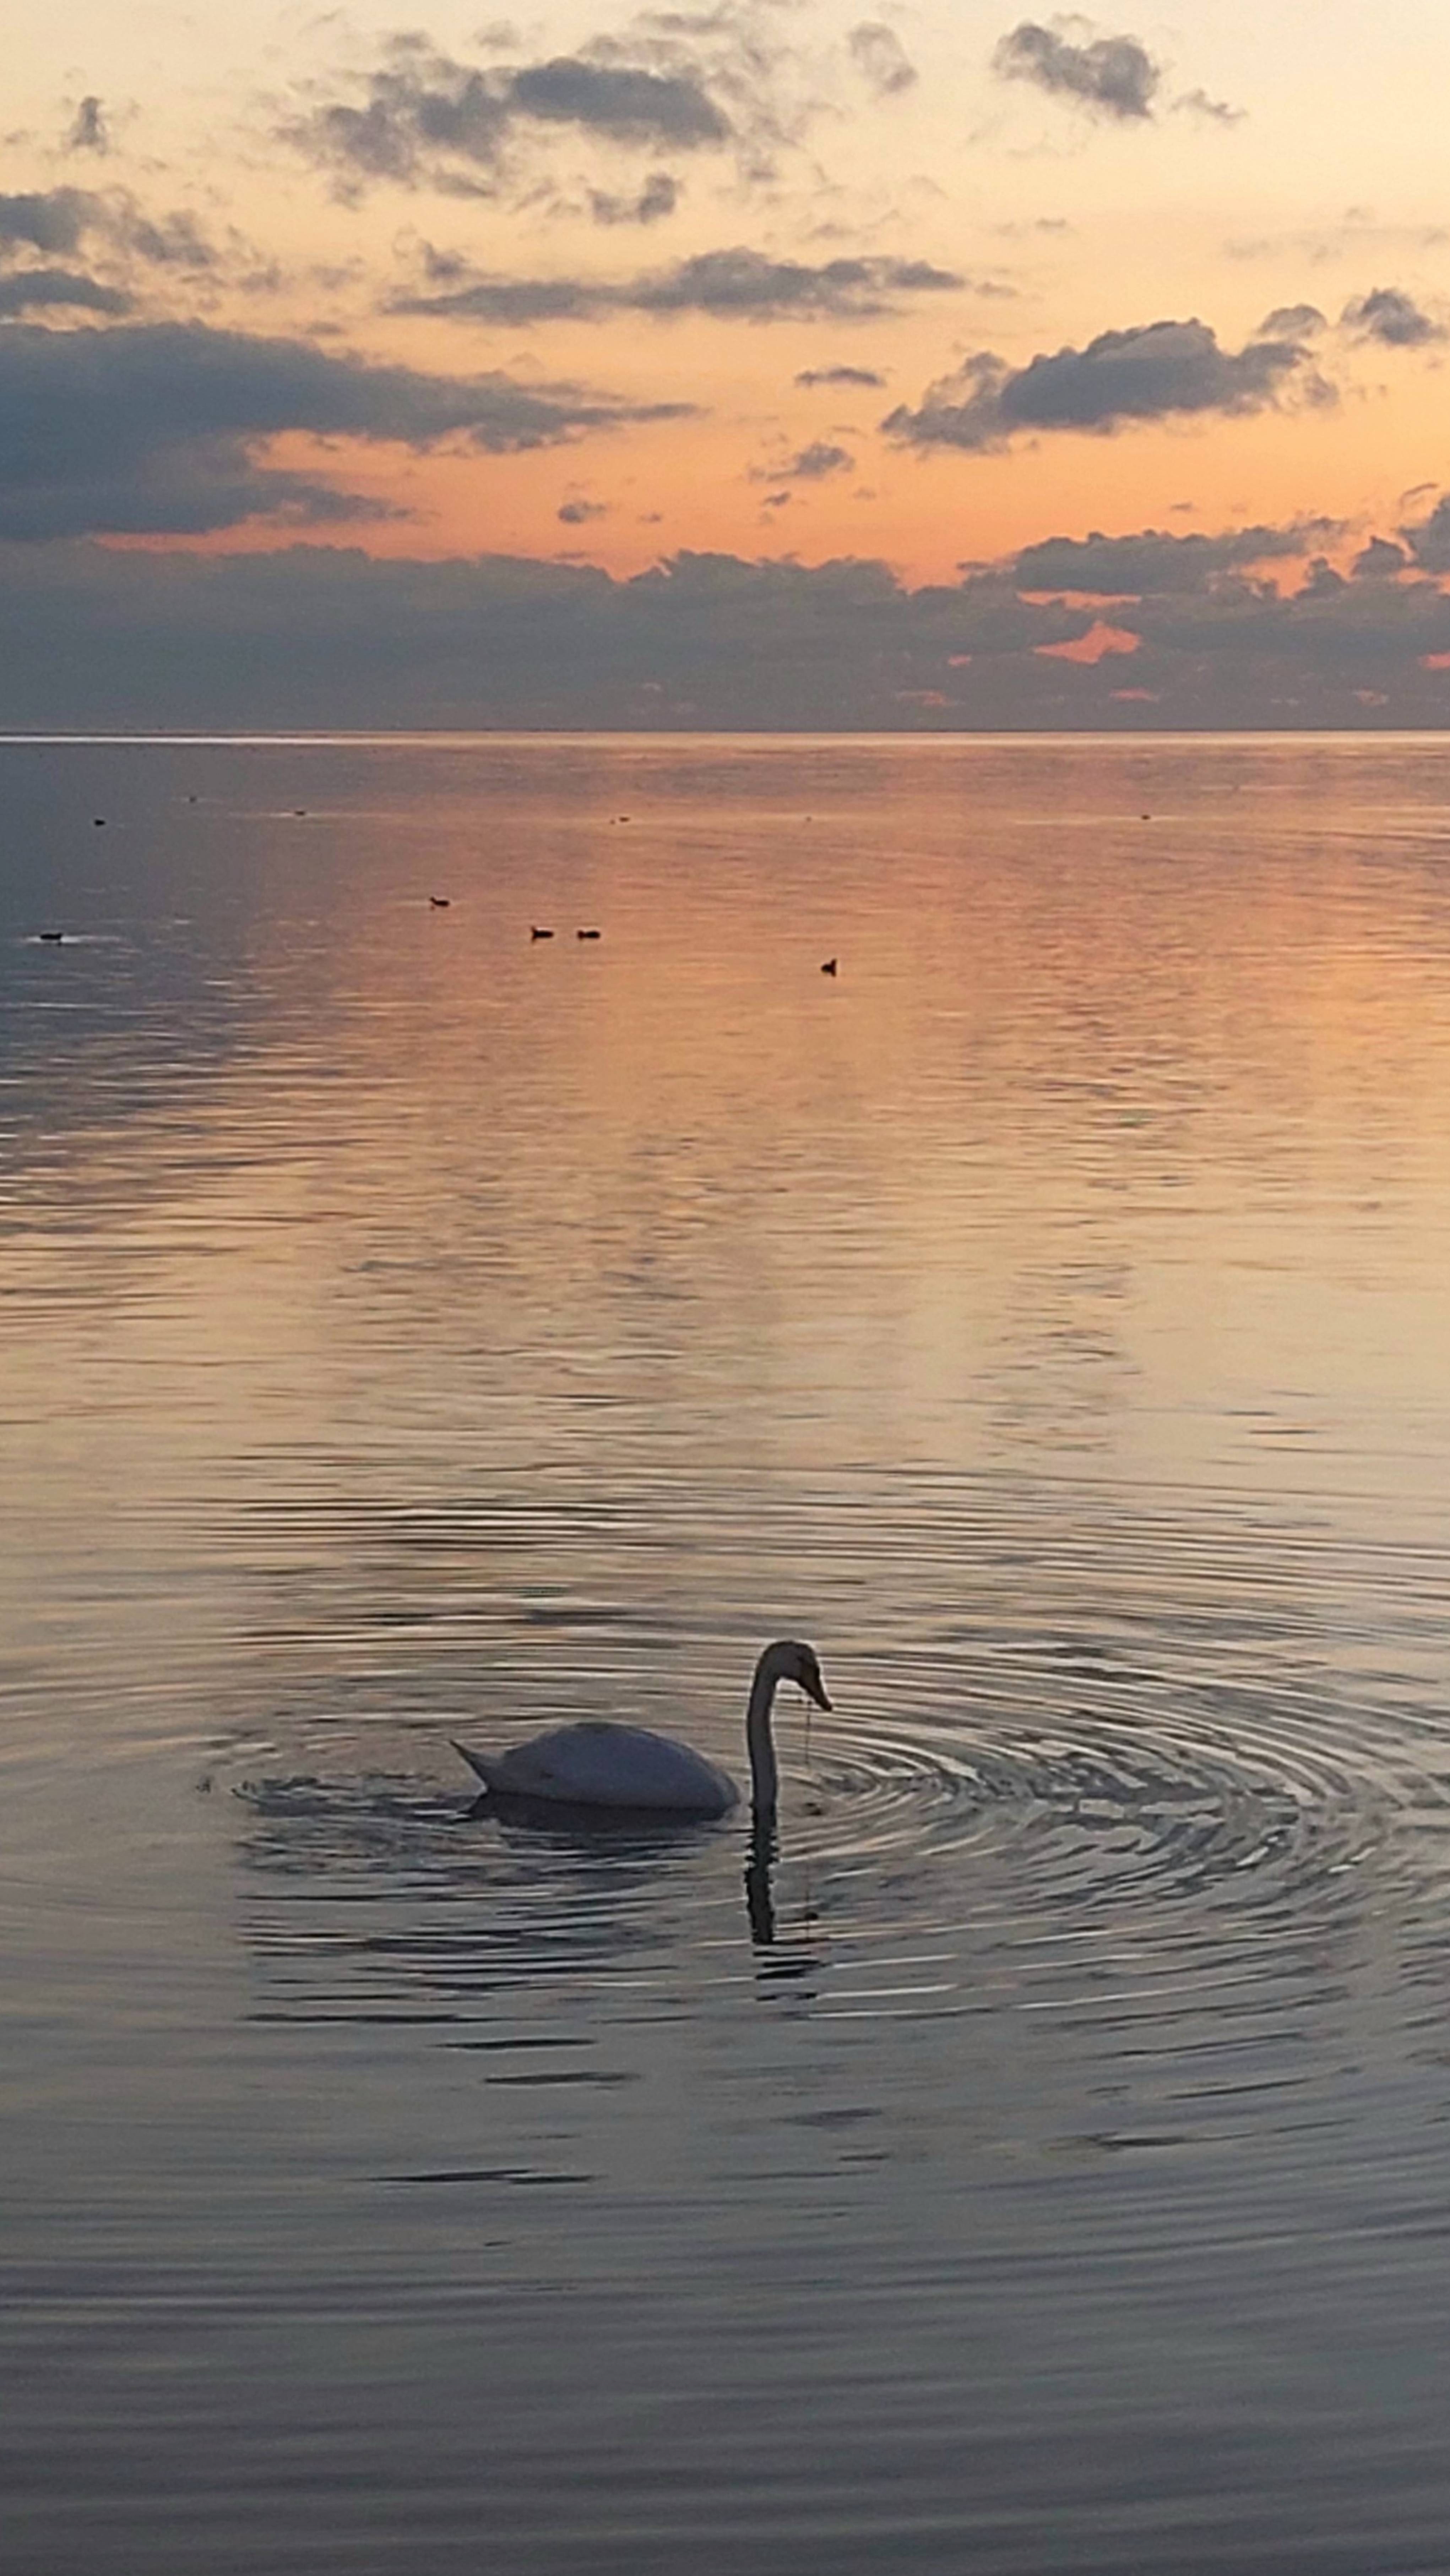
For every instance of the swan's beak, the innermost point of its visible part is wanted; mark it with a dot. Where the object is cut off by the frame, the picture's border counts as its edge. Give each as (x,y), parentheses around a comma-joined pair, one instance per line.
(817,1691)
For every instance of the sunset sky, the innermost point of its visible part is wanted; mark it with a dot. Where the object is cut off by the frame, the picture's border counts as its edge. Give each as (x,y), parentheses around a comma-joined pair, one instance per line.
(753,364)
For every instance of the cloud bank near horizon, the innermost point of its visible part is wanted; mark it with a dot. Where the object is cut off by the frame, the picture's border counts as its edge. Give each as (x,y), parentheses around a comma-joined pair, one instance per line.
(1150,629)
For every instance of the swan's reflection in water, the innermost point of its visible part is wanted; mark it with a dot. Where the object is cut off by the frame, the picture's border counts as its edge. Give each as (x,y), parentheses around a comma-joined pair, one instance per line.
(797,1957)
(380,1880)
(378,1897)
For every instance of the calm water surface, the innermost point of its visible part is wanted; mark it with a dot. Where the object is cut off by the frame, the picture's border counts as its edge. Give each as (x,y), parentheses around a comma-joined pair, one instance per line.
(1040,2161)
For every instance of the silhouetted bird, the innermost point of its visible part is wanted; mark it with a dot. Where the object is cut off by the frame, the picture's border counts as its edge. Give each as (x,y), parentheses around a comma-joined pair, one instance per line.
(440,902)
(589,934)
(100,822)
(829,967)
(536,933)
(52,938)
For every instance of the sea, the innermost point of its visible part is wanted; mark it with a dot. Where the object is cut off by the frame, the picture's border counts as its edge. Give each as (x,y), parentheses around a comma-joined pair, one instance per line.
(1032,2156)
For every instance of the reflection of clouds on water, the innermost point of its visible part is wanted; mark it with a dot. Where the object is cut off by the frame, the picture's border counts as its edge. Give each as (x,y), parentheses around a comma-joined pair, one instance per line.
(1061,1373)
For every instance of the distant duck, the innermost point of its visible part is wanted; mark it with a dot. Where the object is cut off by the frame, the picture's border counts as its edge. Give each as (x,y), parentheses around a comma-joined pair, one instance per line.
(536,933)
(589,934)
(829,967)
(52,938)
(597,1764)
(100,822)
(440,902)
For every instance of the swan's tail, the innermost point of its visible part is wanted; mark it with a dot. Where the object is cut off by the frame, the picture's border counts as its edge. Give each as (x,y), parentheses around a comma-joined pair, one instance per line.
(482,1770)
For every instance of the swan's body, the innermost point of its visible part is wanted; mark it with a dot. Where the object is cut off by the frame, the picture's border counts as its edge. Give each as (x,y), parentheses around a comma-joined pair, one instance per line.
(597,1764)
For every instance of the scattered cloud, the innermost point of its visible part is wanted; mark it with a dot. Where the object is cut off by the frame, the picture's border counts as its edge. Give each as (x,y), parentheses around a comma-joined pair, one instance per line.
(1113,76)
(658,198)
(859,376)
(811,465)
(1291,322)
(881,58)
(627,106)
(33,289)
(1157,371)
(110,225)
(88,130)
(1355,236)
(736,284)
(427,120)
(162,428)
(1391,318)
(48,220)
(577,514)
(1214,111)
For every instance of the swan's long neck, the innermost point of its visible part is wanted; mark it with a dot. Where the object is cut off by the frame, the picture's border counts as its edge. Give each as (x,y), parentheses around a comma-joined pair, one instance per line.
(764,1780)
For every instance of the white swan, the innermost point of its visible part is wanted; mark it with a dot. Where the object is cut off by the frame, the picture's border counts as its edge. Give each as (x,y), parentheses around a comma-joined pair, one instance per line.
(597,1764)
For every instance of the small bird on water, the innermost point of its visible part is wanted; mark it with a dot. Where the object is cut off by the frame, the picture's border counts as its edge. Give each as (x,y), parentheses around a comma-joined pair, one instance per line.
(589,934)
(536,933)
(440,902)
(52,938)
(829,967)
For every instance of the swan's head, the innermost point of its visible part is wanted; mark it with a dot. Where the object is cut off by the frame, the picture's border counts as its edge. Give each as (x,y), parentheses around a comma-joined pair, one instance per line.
(794,1662)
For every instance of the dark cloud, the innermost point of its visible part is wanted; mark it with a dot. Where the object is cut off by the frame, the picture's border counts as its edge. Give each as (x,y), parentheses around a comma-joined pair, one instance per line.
(658,198)
(424,113)
(57,220)
(27,290)
(89,131)
(881,58)
(746,282)
(1110,75)
(628,106)
(51,220)
(577,514)
(1158,371)
(1391,318)
(864,376)
(1153,562)
(320,635)
(173,241)
(1323,654)
(1291,322)
(420,109)
(735,284)
(155,428)
(515,300)
(811,465)
(1380,560)
(1428,539)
